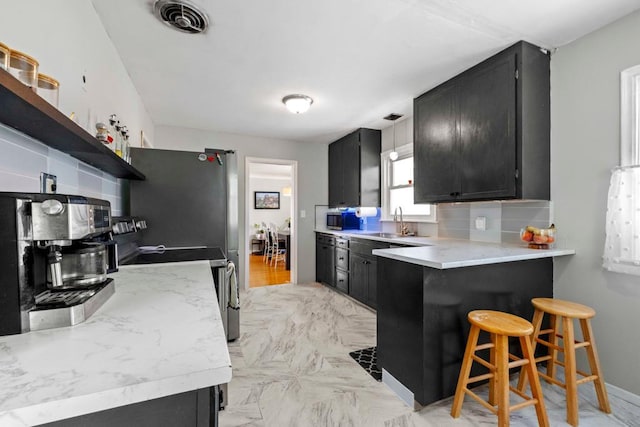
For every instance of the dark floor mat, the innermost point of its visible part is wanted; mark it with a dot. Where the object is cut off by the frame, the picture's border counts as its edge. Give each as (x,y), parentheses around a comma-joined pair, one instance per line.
(368,360)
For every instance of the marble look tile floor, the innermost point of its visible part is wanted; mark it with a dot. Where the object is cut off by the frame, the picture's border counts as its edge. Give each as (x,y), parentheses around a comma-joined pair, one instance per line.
(291,367)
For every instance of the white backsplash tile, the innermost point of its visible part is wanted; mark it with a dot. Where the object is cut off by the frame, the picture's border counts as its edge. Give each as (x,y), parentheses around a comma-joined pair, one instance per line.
(504,219)
(24,158)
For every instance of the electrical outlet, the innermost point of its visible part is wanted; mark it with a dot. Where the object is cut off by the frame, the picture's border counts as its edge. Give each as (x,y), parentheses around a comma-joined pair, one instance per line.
(48,183)
(481,223)
(303,214)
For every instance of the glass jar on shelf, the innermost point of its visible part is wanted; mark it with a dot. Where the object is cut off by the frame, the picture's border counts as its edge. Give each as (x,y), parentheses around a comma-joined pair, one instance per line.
(24,68)
(5,52)
(48,88)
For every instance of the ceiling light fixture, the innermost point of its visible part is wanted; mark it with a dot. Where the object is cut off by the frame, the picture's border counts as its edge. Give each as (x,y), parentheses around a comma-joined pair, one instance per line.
(393,117)
(297,104)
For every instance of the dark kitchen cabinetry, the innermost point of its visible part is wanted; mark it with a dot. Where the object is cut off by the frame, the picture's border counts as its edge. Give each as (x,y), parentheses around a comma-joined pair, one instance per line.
(22,109)
(484,134)
(325,259)
(342,264)
(422,324)
(197,408)
(363,277)
(354,169)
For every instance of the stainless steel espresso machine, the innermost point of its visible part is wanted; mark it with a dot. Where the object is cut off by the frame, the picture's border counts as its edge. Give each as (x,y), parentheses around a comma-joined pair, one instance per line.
(55,253)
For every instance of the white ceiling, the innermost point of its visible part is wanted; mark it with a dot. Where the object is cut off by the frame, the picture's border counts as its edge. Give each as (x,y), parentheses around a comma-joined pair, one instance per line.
(358,59)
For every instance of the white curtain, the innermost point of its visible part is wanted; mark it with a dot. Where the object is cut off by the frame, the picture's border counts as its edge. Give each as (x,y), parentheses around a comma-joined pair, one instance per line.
(622,245)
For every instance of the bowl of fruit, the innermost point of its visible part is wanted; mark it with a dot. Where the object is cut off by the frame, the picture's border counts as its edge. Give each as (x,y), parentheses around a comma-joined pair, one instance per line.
(538,238)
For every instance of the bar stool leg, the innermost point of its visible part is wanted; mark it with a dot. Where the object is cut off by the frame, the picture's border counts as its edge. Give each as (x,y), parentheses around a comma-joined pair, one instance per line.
(465,370)
(494,380)
(570,370)
(536,389)
(538,316)
(553,339)
(594,363)
(502,377)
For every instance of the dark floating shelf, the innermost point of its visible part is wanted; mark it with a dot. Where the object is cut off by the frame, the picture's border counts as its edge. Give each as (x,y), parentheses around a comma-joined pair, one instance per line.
(23,110)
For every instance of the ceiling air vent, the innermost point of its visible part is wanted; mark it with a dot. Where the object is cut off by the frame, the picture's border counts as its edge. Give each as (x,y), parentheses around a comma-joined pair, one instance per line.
(181,15)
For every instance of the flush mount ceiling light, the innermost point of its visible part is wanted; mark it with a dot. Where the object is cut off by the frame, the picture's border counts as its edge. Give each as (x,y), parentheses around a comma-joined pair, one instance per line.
(297,104)
(393,117)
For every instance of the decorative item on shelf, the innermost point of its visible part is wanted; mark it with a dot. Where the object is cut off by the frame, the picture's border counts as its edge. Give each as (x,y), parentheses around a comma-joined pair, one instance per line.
(24,68)
(5,52)
(538,238)
(259,231)
(102,133)
(297,103)
(118,139)
(113,133)
(48,89)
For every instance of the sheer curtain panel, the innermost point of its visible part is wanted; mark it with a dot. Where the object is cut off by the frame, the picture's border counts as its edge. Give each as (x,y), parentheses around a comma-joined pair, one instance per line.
(622,245)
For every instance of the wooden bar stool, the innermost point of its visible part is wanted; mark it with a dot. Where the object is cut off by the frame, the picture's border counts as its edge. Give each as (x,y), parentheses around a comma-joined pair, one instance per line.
(565,312)
(500,326)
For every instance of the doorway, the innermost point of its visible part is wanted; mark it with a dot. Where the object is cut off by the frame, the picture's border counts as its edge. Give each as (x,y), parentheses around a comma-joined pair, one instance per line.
(271,200)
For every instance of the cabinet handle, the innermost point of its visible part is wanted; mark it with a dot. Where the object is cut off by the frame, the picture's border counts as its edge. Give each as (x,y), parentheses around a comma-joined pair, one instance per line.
(340,258)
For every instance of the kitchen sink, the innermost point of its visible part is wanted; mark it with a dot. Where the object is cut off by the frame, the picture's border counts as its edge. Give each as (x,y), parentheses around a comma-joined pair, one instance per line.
(385,235)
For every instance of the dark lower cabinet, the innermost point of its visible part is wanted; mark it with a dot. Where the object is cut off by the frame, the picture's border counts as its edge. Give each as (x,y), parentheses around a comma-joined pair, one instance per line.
(422,324)
(198,408)
(362,272)
(343,281)
(325,259)
(359,272)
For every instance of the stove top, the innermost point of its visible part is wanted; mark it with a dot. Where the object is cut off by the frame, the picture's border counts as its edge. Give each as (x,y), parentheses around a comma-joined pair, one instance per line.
(162,255)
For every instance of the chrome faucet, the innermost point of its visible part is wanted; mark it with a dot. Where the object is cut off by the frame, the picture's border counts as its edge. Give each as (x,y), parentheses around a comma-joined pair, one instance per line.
(403,229)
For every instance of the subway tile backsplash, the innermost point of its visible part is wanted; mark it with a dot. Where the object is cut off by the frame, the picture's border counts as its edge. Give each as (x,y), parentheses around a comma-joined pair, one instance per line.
(504,219)
(23,158)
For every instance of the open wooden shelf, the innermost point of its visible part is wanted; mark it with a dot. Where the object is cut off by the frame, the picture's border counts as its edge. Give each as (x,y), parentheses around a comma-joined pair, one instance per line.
(23,110)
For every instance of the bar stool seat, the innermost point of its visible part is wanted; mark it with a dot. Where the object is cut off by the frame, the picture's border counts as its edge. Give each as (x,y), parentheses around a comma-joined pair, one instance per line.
(566,311)
(500,326)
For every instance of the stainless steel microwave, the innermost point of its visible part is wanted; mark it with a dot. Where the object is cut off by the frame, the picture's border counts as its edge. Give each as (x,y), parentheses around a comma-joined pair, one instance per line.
(344,220)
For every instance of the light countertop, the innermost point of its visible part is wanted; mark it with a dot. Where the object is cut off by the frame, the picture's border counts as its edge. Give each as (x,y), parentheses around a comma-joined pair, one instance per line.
(160,334)
(445,253)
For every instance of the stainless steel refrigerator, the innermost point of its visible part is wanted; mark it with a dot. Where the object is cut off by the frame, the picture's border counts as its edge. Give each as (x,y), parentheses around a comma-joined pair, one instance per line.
(189,199)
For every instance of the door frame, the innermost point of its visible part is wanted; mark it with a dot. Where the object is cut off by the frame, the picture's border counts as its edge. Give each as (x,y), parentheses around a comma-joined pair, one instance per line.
(248,228)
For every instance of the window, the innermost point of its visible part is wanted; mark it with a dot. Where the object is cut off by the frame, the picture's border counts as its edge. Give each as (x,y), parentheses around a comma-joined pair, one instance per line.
(397,187)
(622,244)
(630,116)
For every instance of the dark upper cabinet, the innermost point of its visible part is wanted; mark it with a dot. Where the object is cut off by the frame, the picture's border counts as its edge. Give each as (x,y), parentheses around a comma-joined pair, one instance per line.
(354,169)
(484,134)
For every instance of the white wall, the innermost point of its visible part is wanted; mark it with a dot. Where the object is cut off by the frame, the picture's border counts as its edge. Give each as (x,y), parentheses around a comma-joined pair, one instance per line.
(585,145)
(69,41)
(312,178)
(267,216)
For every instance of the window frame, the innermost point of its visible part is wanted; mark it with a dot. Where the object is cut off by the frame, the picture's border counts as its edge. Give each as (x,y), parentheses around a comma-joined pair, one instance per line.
(629,116)
(403,151)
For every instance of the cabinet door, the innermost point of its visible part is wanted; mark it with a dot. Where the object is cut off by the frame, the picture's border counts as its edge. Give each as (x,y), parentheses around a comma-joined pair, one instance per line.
(335,174)
(358,275)
(372,285)
(351,169)
(435,149)
(487,140)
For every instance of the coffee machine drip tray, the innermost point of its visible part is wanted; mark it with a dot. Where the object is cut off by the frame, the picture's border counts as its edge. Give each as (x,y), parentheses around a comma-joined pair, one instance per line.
(55,309)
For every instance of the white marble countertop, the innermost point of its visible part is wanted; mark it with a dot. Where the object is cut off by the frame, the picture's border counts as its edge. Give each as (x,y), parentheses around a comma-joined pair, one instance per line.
(445,253)
(160,334)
